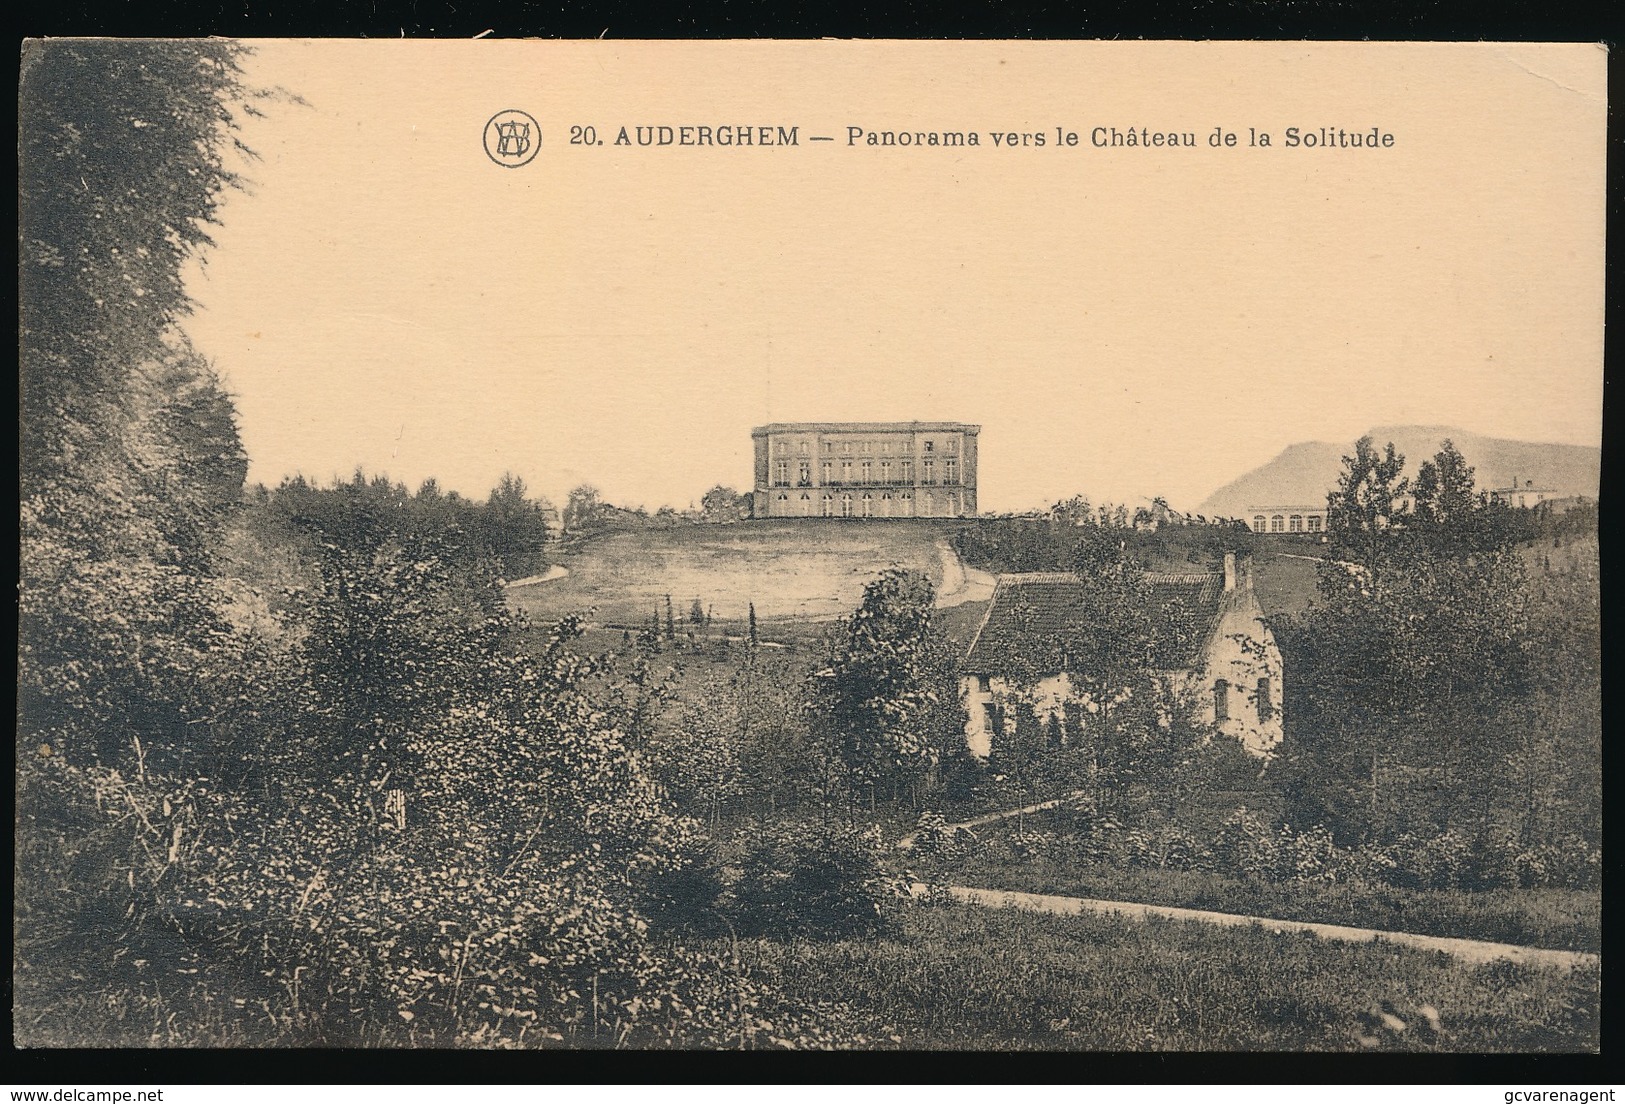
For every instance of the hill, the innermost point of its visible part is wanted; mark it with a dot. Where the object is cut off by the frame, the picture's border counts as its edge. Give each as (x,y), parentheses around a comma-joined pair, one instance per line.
(1304,472)
(788,569)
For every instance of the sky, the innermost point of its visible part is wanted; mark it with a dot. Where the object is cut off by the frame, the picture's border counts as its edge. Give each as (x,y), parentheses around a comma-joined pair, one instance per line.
(1121,322)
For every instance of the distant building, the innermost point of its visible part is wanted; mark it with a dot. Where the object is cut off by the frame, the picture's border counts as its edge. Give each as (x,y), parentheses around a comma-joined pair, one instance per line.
(1210,641)
(865,470)
(1287,519)
(1526,496)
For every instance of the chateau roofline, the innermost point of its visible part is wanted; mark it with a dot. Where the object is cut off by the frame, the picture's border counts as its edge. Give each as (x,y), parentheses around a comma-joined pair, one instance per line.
(865,427)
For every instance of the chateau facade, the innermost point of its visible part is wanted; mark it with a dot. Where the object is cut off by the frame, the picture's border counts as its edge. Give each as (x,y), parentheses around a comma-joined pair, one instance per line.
(865,470)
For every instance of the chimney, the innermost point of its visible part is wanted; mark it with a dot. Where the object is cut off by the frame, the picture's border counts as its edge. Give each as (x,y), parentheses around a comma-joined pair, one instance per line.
(1229,572)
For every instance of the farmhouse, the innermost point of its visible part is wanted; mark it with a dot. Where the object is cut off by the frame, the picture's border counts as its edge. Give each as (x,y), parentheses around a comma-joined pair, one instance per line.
(865,470)
(1209,640)
(1523,496)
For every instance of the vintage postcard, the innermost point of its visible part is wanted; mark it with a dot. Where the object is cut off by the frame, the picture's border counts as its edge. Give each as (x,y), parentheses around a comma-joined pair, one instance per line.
(819,544)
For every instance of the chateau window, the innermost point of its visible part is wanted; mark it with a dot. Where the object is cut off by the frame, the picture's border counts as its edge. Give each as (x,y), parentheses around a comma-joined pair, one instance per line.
(804,474)
(846,471)
(950,470)
(1277,523)
(885,471)
(1295,523)
(930,445)
(828,506)
(885,504)
(1265,708)
(846,446)
(953,505)
(1221,700)
(867,471)
(801,447)
(1258,523)
(806,505)
(781,473)
(829,446)
(908,471)
(885,446)
(1314,523)
(863,446)
(783,503)
(846,505)
(951,445)
(868,505)
(825,470)
(928,469)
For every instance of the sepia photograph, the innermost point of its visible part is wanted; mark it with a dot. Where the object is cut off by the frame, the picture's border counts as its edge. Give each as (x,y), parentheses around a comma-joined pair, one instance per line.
(810,545)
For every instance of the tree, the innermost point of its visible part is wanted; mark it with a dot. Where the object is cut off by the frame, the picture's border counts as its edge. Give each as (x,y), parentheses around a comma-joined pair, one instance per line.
(515,527)
(722,504)
(1368,505)
(871,698)
(1404,672)
(583,509)
(131,462)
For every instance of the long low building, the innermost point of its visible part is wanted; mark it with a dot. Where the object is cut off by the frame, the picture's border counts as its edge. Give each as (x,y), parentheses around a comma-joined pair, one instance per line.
(1287,519)
(865,470)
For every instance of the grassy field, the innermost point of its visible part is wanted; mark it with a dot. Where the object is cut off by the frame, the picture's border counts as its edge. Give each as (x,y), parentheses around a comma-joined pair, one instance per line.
(959,977)
(788,569)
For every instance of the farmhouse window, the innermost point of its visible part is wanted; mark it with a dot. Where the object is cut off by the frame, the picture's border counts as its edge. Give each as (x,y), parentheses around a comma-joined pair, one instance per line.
(1295,523)
(1258,523)
(1314,523)
(1277,524)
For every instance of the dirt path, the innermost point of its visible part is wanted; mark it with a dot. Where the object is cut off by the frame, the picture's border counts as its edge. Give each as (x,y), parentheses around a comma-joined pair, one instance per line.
(556,571)
(1468,950)
(961,584)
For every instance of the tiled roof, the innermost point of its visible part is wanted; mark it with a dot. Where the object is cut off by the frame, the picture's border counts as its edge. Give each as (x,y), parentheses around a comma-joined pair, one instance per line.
(1040,621)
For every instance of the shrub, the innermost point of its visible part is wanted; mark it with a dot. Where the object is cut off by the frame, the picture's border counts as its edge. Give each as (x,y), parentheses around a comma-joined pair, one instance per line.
(814,881)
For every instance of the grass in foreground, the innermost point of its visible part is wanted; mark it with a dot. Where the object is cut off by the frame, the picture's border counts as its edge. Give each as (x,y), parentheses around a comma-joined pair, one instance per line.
(1560,919)
(959,977)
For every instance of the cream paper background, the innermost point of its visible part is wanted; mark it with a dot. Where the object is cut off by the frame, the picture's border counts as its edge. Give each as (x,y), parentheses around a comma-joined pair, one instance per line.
(1121,322)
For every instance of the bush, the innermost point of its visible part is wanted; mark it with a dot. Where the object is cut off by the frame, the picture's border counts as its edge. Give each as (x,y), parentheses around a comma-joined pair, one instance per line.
(813,881)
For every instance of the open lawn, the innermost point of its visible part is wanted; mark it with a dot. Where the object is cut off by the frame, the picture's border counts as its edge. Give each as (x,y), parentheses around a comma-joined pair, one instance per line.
(960,977)
(789,569)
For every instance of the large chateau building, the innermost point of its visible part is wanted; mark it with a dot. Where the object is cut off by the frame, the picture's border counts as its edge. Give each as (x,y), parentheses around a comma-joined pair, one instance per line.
(865,469)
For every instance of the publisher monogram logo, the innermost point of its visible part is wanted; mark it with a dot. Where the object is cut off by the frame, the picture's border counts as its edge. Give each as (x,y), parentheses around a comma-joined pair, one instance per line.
(512,138)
